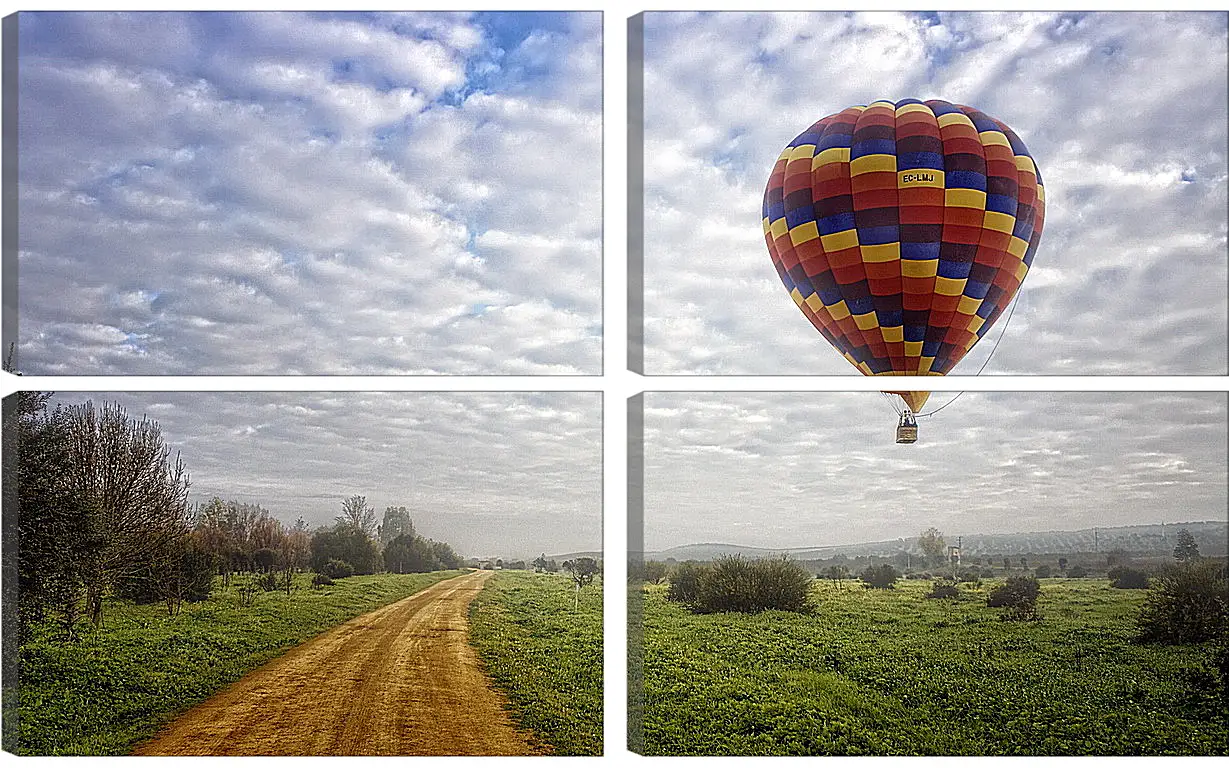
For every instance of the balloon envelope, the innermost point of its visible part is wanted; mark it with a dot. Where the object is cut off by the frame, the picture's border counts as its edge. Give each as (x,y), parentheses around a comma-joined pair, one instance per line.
(903,230)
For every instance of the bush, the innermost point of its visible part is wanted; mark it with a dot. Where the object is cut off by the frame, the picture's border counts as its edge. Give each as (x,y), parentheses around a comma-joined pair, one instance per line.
(944,590)
(685,582)
(338,569)
(1122,577)
(879,577)
(321,580)
(751,586)
(1188,603)
(1019,595)
(968,575)
(1077,572)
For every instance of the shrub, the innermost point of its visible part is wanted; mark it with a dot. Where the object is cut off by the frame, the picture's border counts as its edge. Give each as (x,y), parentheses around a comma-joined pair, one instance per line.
(321,580)
(751,586)
(968,575)
(338,569)
(1077,572)
(1188,603)
(685,582)
(879,577)
(1122,577)
(1018,595)
(944,589)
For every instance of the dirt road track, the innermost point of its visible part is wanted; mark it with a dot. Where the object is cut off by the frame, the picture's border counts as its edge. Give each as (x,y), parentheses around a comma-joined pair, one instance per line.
(402,680)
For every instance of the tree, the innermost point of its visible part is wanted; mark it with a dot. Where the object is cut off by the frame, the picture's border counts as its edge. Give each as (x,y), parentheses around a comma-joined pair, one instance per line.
(931,542)
(346,543)
(582,571)
(837,573)
(1188,603)
(1186,549)
(879,577)
(396,523)
(134,493)
(357,515)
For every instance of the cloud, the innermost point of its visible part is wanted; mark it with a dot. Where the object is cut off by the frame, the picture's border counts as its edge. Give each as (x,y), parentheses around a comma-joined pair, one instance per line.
(801,469)
(284,193)
(1125,113)
(492,473)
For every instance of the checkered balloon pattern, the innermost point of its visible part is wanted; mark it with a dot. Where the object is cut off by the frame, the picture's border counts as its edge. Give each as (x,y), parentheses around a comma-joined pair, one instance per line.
(903,230)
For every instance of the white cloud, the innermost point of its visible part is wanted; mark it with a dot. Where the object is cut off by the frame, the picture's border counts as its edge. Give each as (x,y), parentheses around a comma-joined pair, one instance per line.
(500,474)
(812,469)
(304,193)
(1125,113)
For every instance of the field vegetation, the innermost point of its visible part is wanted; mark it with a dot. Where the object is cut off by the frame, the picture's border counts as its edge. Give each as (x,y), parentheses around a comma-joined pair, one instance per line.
(115,684)
(540,639)
(894,671)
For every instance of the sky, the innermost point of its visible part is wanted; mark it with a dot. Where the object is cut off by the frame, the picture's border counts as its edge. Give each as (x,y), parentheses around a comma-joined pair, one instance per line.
(793,469)
(292,193)
(492,473)
(1125,114)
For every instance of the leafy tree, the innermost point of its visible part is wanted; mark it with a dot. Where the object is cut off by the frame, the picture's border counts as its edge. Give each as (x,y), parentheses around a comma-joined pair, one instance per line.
(837,573)
(396,523)
(582,570)
(264,559)
(344,542)
(879,577)
(1186,549)
(931,542)
(357,515)
(1188,603)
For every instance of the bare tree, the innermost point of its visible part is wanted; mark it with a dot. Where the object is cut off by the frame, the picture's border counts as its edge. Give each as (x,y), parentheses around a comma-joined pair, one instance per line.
(136,495)
(357,515)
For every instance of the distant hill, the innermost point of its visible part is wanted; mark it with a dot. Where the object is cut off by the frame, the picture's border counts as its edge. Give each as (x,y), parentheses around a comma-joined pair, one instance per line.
(1211,536)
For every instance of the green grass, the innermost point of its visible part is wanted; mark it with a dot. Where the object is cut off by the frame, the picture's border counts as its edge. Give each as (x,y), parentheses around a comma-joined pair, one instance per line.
(114,687)
(545,656)
(891,673)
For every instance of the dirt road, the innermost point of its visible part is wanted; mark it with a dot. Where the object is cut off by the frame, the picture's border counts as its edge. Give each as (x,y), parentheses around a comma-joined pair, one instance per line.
(402,680)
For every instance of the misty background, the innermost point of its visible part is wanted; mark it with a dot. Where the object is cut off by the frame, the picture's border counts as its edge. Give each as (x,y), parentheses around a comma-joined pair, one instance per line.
(494,474)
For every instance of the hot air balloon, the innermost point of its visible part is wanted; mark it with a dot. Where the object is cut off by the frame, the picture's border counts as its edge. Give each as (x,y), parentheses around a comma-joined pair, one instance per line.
(902,230)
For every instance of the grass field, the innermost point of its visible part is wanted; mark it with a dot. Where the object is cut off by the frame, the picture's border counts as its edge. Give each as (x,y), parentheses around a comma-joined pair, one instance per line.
(113,687)
(888,672)
(544,656)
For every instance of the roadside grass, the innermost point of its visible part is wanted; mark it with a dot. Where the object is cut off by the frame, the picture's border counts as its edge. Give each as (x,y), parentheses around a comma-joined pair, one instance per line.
(544,656)
(115,686)
(888,672)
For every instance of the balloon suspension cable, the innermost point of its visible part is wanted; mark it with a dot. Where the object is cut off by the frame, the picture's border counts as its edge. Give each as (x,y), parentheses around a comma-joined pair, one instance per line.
(1006,323)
